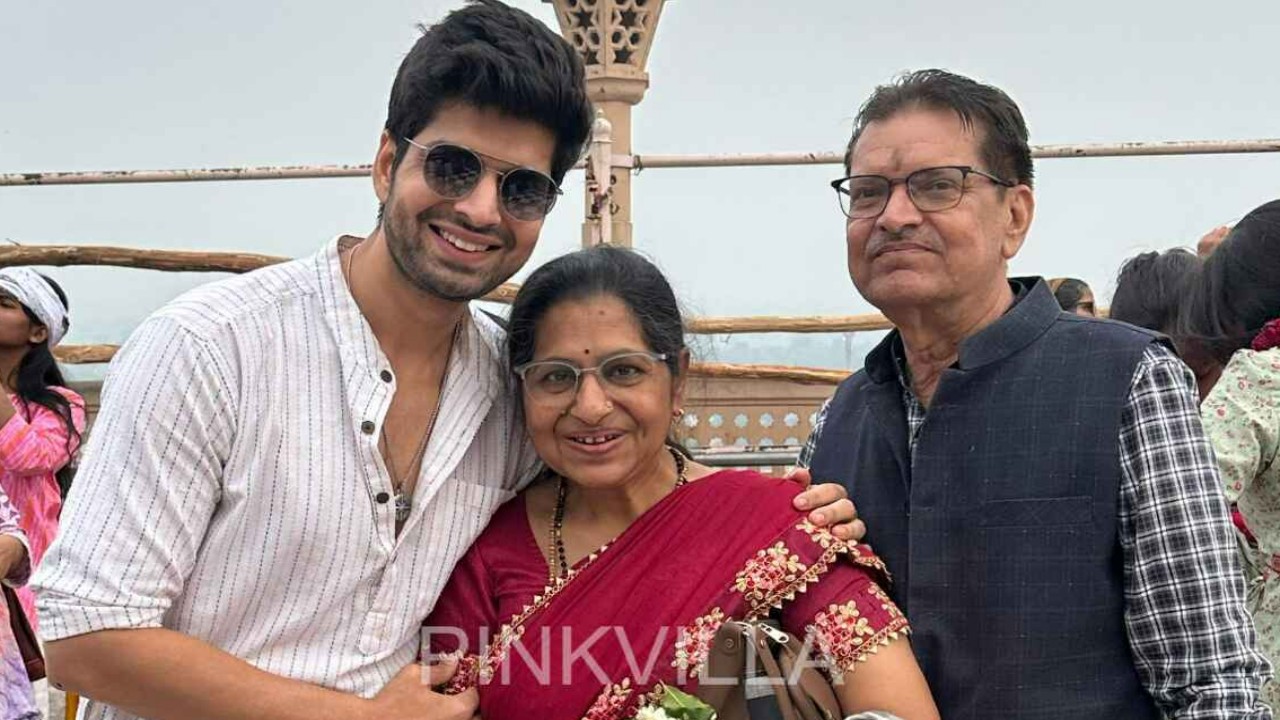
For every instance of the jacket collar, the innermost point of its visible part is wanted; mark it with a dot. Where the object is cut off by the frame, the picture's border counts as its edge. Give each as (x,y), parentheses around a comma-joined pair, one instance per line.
(1034,309)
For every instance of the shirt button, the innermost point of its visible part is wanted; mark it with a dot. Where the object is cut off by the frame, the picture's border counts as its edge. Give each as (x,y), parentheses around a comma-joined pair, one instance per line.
(382,498)
(386,376)
(367,427)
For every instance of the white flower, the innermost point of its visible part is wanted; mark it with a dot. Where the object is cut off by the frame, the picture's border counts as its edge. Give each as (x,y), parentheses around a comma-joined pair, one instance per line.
(652,713)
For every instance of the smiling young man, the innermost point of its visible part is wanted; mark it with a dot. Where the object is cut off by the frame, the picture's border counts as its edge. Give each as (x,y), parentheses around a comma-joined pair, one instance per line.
(1038,482)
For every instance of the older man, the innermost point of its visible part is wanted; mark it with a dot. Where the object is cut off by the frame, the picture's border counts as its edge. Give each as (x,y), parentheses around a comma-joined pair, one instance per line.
(1038,482)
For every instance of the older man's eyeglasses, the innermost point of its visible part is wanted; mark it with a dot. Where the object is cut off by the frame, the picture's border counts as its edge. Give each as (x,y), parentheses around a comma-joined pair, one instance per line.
(453,172)
(557,381)
(931,189)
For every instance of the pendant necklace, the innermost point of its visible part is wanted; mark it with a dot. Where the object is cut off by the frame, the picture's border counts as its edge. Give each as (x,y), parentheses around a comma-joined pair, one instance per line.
(401,484)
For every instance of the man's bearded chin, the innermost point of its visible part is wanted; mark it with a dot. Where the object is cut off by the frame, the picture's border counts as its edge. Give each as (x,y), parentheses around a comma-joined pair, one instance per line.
(435,276)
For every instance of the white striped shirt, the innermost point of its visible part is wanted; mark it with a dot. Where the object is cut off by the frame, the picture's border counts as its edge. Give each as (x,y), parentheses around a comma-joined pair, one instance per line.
(232,488)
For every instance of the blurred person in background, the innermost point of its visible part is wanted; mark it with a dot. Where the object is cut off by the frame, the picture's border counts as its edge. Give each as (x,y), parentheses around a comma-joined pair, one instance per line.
(1232,318)
(40,419)
(1151,290)
(1074,296)
(1151,286)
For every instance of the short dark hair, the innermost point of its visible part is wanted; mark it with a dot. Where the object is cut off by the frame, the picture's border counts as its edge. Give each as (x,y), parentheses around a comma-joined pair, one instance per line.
(603,270)
(983,108)
(1238,290)
(491,55)
(1151,287)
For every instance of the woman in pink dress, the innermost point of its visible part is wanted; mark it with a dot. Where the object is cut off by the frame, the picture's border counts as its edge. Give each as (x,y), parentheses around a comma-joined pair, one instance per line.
(40,419)
(601,586)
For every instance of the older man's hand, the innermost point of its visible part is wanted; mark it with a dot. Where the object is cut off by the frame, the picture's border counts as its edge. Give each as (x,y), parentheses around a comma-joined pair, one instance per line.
(830,506)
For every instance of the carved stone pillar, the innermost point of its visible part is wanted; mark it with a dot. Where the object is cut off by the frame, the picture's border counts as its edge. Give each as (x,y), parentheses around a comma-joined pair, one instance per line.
(614,38)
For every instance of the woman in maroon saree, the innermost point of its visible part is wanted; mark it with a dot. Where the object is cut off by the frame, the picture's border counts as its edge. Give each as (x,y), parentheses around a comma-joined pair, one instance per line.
(605,581)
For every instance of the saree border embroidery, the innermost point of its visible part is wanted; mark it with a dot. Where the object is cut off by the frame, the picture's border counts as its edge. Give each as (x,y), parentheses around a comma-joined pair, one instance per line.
(845,637)
(765,592)
(616,701)
(886,603)
(467,674)
(512,630)
(612,702)
(773,569)
(693,642)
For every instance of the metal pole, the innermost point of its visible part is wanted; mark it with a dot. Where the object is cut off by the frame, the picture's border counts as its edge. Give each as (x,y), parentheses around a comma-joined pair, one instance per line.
(636,162)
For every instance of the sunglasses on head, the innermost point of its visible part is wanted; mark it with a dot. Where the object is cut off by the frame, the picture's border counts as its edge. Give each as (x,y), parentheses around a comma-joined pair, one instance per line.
(453,172)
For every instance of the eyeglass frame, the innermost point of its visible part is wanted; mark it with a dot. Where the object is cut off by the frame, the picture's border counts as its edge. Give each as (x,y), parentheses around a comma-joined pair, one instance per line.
(965,172)
(500,174)
(522,370)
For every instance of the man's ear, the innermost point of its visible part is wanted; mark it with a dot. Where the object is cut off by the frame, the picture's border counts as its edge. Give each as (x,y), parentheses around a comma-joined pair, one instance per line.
(1020,209)
(384,166)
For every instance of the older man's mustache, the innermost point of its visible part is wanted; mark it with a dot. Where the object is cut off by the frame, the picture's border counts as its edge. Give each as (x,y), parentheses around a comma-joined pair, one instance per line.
(885,241)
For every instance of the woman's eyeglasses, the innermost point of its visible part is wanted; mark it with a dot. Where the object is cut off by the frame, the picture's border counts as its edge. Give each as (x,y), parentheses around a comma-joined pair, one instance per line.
(557,381)
(453,172)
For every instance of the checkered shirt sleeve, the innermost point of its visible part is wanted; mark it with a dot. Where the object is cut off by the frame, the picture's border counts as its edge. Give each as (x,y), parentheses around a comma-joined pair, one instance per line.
(1193,642)
(815,435)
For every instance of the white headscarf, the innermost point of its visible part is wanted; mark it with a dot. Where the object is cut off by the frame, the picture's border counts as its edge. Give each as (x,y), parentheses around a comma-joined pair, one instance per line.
(32,291)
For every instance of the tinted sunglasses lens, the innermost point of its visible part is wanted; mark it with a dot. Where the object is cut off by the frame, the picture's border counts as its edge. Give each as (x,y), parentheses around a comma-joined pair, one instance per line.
(451,171)
(527,194)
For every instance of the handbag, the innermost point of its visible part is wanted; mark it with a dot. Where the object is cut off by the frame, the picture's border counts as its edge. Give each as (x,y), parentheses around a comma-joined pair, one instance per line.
(28,646)
(756,671)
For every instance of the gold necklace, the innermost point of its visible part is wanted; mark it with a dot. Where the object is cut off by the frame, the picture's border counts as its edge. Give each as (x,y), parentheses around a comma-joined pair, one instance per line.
(557,517)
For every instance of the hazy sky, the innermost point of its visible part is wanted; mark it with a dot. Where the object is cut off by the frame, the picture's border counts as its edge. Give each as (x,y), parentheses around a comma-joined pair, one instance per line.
(149,84)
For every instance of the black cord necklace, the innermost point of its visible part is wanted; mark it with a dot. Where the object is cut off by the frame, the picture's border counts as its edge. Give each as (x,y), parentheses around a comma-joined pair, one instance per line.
(561,565)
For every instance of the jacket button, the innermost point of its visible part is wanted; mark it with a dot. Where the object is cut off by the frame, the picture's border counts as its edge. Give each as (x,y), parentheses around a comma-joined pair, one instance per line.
(386,376)
(367,427)
(382,498)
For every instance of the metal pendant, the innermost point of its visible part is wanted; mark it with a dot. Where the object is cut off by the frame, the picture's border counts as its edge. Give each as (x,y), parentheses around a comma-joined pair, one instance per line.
(404,504)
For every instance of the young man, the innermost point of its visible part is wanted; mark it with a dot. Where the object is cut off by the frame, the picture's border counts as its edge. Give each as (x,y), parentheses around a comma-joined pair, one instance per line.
(289,463)
(1038,483)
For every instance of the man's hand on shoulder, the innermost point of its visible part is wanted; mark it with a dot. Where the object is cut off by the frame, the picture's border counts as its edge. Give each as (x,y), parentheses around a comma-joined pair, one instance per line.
(829,505)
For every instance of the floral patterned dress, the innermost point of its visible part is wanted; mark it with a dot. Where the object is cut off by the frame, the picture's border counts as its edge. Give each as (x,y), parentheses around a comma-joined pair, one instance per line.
(1242,418)
(639,615)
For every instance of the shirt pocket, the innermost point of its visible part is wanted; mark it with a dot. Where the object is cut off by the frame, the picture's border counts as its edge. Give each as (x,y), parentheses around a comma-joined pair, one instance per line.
(1036,512)
(483,498)
(473,505)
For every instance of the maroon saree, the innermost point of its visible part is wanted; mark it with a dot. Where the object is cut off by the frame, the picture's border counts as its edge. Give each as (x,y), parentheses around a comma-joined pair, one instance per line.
(640,613)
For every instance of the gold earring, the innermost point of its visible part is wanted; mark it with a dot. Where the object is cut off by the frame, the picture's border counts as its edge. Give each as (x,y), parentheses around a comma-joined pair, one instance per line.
(679,413)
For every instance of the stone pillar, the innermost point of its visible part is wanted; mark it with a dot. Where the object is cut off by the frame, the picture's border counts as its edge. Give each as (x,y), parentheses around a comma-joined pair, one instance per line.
(614,38)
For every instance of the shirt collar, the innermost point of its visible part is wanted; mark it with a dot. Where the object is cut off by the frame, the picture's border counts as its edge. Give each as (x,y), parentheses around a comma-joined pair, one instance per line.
(479,349)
